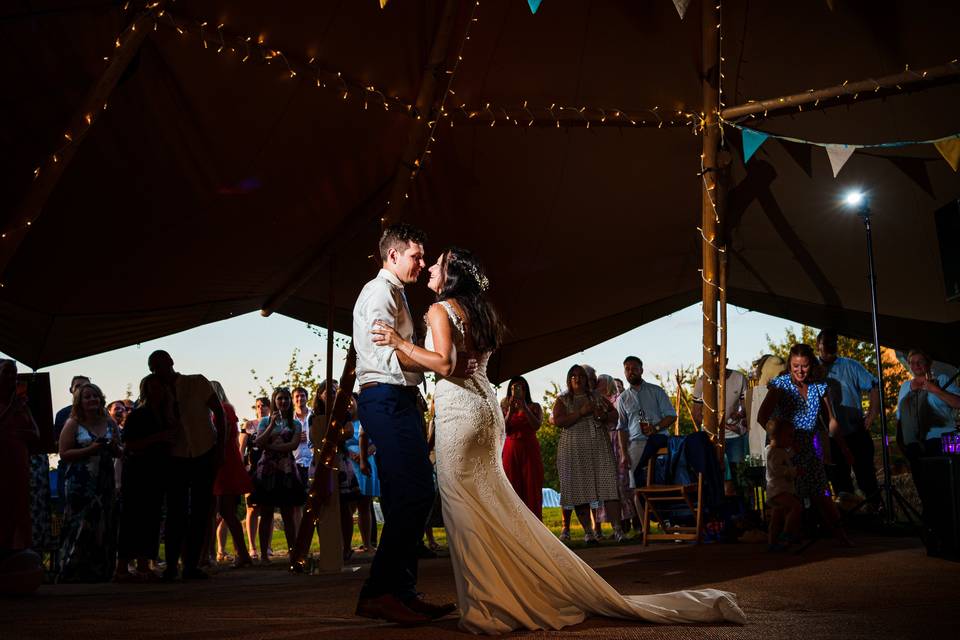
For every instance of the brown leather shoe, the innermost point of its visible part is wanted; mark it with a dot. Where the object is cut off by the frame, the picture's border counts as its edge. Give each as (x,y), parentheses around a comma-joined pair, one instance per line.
(433,611)
(388,607)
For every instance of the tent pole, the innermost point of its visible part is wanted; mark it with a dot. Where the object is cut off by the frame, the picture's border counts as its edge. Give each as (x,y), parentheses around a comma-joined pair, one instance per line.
(426,99)
(722,359)
(49,173)
(710,214)
(869,87)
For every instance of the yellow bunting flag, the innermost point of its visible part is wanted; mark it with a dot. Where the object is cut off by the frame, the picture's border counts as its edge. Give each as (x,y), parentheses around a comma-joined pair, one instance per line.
(950,150)
(383,3)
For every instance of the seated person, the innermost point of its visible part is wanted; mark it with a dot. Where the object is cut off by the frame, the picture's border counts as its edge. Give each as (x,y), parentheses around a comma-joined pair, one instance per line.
(924,413)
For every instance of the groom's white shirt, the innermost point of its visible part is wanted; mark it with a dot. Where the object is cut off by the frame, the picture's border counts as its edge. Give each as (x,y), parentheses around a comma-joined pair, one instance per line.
(382,299)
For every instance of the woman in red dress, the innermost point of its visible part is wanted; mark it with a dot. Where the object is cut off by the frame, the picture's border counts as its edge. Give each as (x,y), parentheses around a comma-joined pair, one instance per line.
(232,482)
(521,451)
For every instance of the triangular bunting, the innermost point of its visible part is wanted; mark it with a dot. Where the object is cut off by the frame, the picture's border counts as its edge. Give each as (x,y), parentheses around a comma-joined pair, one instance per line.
(950,150)
(839,154)
(751,142)
(383,3)
(534,5)
(681,6)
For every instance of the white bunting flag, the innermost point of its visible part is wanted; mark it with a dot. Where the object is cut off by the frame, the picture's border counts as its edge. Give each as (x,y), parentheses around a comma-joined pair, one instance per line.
(839,154)
(681,6)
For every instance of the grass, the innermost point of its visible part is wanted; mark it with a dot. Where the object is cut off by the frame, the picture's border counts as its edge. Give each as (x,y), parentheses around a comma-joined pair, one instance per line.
(552,518)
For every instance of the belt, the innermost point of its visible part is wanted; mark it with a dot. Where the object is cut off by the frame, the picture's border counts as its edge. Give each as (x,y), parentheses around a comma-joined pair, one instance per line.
(371,385)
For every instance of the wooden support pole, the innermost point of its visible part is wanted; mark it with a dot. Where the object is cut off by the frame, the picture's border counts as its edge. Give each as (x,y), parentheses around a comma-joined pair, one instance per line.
(677,403)
(566,118)
(895,82)
(710,18)
(48,174)
(722,358)
(425,107)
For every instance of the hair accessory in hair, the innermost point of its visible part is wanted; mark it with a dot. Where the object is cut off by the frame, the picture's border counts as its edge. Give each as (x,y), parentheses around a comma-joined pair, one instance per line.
(482,281)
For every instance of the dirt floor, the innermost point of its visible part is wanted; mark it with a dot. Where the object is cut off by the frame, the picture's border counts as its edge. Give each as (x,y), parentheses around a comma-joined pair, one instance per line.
(883,588)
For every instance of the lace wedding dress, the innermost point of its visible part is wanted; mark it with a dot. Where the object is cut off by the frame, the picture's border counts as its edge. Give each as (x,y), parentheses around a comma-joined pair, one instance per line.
(511,571)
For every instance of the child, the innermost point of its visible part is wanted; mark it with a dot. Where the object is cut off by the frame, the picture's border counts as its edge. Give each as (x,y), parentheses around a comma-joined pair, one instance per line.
(781,494)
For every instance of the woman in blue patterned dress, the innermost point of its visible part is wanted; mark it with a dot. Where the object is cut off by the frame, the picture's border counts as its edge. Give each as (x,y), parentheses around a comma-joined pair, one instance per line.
(796,397)
(89,443)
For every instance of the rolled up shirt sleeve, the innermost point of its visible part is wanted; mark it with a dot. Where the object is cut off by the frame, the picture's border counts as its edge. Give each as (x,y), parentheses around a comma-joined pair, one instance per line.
(664,406)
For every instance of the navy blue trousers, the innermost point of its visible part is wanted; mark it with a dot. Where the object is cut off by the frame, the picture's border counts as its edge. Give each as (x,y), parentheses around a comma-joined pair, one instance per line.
(390,415)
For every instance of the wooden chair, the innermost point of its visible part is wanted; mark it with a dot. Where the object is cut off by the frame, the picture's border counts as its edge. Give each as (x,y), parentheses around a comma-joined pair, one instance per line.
(662,494)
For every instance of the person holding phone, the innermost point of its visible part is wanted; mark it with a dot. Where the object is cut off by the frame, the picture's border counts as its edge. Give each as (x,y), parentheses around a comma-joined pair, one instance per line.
(521,451)
(89,444)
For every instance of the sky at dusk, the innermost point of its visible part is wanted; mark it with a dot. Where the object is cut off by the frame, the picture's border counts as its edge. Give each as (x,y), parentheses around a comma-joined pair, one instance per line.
(228,350)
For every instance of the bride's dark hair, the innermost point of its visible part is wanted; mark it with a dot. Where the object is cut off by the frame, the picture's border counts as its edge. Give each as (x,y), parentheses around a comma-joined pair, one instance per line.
(465,282)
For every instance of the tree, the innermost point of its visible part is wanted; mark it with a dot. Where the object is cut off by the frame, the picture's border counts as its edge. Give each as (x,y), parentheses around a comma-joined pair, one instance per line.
(894,373)
(688,378)
(307,375)
(548,435)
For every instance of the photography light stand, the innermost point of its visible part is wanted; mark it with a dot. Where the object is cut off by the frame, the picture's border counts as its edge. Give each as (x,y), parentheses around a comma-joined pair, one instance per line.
(887,491)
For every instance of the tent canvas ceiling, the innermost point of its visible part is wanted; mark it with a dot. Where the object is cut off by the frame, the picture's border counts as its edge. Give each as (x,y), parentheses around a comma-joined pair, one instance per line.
(209,183)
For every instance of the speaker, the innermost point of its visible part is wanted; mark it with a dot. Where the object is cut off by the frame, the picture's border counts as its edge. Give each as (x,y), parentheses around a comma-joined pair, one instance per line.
(947,220)
(941,505)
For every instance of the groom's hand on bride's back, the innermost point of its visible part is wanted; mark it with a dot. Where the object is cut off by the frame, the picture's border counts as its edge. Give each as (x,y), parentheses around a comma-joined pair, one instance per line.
(466,365)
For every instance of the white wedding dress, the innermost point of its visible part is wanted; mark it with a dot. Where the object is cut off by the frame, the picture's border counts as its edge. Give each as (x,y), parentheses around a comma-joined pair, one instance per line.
(511,571)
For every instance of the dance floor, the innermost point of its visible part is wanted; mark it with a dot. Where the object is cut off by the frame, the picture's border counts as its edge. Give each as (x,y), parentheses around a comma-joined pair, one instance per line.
(882,588)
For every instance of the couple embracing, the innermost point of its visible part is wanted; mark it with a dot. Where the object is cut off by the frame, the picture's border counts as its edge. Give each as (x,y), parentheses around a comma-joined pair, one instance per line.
(511,572)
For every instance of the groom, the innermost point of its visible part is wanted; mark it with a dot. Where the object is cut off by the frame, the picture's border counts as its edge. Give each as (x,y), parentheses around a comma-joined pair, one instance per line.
(389,413)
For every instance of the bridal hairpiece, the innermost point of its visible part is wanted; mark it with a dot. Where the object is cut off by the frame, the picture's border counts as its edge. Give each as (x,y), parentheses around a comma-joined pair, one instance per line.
(482,281)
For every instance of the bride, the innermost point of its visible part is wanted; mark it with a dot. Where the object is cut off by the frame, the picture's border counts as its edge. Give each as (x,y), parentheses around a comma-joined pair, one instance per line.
(511,572)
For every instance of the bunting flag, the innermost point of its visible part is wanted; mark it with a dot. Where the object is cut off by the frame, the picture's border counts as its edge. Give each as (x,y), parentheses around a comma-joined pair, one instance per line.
(950,150)
(681,6)
(839,154)
(534,5)
(383,3)
(948,146)
(752,140)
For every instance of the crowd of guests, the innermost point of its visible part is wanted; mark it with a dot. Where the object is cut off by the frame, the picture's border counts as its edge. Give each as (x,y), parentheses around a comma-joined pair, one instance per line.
(818,434)
(177,464)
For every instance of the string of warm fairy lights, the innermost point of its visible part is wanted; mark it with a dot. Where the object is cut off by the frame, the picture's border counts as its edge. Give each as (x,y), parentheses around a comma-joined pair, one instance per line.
(447,92)
(556,115)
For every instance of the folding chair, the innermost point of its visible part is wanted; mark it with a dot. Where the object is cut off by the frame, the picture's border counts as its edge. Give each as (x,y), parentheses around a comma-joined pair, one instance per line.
(665,495)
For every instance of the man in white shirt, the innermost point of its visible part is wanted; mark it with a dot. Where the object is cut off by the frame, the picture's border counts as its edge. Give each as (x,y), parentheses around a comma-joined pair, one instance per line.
(644,410)
(390,415)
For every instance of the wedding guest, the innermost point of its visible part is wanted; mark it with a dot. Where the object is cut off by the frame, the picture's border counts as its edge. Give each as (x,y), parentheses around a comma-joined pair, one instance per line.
(596,508)
(303,456)
(925,408)
(64,414)
(276,484)
(369,486)
(89,443)
(619,383)
(587,470)
(607,387)
(150,431)
(193,466)
(797,398)
(350,496)
(781,493)
(850,382)
(59,421)
(643,409)
(117,411)
(18,433)
(521,451)
(231,482)
(735,427)
(251,456)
